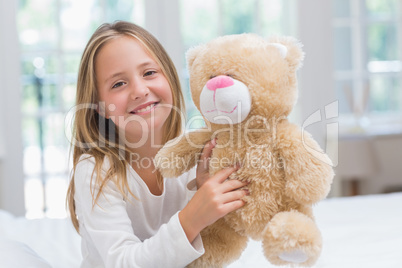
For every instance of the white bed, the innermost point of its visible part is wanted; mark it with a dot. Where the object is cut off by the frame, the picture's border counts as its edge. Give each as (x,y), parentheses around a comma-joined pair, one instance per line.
(363,231)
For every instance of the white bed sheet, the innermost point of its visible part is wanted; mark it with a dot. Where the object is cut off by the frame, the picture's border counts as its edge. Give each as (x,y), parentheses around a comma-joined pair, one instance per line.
(363,231)
(54,240)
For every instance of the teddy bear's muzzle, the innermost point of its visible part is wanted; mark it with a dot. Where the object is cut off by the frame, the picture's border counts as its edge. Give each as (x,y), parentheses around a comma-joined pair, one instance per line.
(225,100)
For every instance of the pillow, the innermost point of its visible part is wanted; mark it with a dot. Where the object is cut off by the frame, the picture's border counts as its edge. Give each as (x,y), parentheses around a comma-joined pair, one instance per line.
(14,254)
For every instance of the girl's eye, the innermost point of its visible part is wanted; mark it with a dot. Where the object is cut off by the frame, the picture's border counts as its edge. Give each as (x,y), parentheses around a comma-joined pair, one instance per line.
(148,73)
(118,84)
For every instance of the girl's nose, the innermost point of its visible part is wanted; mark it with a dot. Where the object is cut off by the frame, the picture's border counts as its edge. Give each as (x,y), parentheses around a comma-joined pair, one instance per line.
(139,90)
(220,81)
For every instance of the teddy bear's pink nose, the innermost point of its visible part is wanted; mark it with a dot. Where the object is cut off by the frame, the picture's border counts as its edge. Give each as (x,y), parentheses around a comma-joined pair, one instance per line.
(219,81)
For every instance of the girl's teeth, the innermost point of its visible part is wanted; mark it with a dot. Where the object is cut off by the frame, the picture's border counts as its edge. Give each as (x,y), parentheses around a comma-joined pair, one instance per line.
(146,108)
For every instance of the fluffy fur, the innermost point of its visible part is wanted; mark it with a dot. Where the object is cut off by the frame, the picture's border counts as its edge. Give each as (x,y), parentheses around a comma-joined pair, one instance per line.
(287,170)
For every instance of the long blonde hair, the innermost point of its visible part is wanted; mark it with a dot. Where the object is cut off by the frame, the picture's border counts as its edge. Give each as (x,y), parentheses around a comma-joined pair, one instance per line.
(98,137)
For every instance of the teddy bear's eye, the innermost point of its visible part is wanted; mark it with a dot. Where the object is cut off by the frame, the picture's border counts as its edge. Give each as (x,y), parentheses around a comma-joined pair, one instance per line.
(213,76)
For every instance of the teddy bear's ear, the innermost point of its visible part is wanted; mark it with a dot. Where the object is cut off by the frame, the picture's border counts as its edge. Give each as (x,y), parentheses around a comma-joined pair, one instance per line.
(192,54)
(283,50)
(289,48)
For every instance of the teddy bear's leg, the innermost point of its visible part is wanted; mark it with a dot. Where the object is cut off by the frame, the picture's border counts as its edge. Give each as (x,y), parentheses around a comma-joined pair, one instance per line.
(292,237)
(222,246)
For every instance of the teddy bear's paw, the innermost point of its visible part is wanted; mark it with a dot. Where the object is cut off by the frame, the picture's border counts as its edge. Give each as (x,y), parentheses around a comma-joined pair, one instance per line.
(294,256)
(292,238)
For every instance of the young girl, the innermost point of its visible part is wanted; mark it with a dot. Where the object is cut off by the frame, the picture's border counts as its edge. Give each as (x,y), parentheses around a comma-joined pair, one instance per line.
(128,98)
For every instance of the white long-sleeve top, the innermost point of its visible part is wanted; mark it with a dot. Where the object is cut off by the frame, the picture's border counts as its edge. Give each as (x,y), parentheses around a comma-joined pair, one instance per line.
(133,233)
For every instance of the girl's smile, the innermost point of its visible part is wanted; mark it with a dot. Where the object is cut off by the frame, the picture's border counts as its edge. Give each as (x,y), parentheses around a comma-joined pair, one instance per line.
(144,108)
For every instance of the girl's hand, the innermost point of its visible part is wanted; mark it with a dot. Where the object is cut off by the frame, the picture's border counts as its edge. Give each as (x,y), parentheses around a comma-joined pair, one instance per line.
(203,164)
(216,198)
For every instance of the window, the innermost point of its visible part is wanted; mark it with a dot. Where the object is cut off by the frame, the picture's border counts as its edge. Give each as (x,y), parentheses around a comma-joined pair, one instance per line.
(52,35)
(367,60)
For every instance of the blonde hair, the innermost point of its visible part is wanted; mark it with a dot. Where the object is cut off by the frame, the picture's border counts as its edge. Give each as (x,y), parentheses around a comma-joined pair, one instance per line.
(90,129)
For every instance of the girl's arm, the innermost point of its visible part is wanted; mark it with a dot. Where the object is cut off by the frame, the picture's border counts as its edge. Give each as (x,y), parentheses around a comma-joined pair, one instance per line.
(108,233)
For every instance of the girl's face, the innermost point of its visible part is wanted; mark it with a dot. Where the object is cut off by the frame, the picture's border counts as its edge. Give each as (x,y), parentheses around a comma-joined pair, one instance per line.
(135,92)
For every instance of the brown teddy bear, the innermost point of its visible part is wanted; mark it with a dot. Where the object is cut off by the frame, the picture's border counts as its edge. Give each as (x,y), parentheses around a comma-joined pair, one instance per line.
(245,87)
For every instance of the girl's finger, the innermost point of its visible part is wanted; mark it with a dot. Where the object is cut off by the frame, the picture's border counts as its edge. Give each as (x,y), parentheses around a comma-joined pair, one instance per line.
(206,153)
(234,195)
(232,206)
(231,185)
(224,173)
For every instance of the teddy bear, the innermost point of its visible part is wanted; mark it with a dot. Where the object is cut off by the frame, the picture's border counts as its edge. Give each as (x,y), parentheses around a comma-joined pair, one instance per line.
(245,86)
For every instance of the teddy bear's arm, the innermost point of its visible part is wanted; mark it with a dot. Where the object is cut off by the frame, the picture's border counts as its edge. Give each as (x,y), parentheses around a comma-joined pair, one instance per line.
(181,154)
(308,170)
